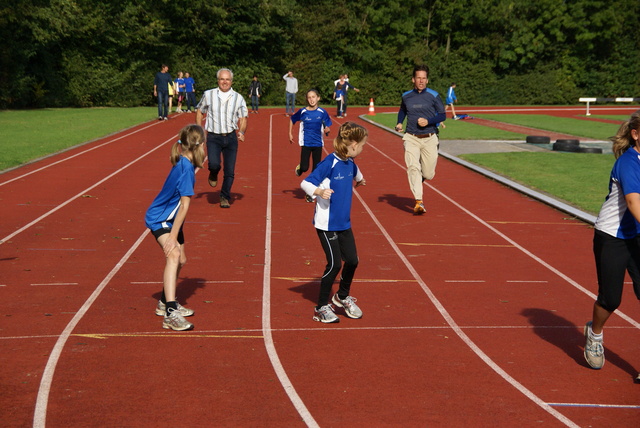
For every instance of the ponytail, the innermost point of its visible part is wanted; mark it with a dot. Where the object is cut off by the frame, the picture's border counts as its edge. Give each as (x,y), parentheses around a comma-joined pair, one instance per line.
(191,137)
(348,133)
(623,140)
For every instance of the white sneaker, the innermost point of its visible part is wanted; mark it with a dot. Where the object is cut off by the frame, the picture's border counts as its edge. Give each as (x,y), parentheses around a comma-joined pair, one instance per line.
(175,321)
(593,349)
(161,310)
(349,305)
(325,314)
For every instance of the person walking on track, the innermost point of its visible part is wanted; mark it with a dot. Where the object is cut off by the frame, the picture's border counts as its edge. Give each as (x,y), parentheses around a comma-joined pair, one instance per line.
(423,110)
(615,243)
(331,183)
(315,123)
(165,218)
(226,123)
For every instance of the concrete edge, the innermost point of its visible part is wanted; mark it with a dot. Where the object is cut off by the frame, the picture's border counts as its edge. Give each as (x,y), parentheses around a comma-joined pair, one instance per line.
(586,217)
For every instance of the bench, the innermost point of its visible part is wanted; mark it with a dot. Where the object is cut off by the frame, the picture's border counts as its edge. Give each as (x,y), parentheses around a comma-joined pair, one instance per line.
(607,100)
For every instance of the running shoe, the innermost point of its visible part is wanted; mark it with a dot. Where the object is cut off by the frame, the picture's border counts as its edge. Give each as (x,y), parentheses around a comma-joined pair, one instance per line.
(175,321)
(224,202)
(325,314)
(308,198)
(419,208)
(298,173)
(593,349)
(349,305)
(161,310)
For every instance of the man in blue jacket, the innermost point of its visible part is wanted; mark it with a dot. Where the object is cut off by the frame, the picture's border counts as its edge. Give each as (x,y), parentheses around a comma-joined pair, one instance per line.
(423,110)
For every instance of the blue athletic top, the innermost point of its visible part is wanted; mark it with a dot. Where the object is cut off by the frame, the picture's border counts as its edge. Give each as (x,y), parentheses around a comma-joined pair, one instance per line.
(425,104)
(180,182)
(179,82)
(312,124)
(189,82)
(451,95)
(333,214)
(615,218)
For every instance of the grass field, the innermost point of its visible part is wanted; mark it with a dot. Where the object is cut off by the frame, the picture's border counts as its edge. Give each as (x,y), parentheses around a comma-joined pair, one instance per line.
(30,134)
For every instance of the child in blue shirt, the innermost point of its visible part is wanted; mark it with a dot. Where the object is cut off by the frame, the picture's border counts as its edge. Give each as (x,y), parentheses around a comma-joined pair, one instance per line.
(331,183)
(165,218)
(314,122)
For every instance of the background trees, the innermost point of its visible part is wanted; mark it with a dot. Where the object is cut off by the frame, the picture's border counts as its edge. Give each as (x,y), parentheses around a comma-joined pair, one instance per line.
(105,53)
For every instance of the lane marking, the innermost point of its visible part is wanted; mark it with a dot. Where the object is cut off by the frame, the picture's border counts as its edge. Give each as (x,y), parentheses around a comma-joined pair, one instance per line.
(452,323)
(79,195)
(197,282)
(76,155)
(616,406)
(333,329)
(166,335)
(543,223)
(40,413)
(419,244)
(55,283)
(366,280)
(266,299)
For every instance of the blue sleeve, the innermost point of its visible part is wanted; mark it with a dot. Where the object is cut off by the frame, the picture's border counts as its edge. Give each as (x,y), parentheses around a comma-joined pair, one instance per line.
(322,171)
(628,174)
(326,120)
(295,117)
(402,113)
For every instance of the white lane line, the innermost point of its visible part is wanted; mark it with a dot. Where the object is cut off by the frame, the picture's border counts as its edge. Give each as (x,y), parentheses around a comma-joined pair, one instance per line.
(266,300)
(68,201)
(40,413)
(458,330)
(618,312)
(449,319)
(76,155)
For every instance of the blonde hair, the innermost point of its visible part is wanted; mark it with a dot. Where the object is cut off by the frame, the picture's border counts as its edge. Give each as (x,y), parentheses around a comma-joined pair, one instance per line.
(622,141)
(191,137)
(348,134)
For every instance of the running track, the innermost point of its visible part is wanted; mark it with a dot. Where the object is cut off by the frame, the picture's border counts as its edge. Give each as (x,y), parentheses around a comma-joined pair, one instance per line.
(473,312)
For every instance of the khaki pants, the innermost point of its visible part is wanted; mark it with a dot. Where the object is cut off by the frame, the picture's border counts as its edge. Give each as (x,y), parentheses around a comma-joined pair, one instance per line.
(421,157)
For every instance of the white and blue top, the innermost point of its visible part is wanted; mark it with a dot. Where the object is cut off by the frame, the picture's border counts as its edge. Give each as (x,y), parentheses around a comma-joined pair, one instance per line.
(333,214)
(312,124)
(615,218)
(180,182)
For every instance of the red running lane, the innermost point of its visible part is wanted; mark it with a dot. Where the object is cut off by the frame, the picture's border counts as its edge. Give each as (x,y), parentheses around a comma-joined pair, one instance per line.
(402,364)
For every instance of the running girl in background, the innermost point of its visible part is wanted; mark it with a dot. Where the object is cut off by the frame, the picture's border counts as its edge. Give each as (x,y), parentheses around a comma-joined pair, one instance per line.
(179,89)
(615,244)
(332,183)
(314,122)
(165,218)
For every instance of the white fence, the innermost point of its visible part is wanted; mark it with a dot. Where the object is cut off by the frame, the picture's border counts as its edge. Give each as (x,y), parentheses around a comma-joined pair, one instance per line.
(606,100)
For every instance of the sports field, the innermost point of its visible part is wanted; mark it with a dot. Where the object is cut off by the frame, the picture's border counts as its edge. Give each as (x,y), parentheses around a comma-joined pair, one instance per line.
(473,312)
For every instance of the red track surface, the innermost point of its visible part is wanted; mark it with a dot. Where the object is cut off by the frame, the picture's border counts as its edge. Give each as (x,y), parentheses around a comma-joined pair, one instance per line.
(473,312)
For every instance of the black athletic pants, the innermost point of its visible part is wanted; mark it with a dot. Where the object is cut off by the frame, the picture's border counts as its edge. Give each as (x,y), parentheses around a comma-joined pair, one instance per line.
(337,246)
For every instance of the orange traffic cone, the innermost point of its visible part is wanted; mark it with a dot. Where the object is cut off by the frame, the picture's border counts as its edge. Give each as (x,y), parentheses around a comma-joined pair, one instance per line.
(372,109)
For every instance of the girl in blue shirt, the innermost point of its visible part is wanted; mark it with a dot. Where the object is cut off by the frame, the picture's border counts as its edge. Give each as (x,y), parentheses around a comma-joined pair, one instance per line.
(331,183)
(615,243)
(165,218)
(314,122)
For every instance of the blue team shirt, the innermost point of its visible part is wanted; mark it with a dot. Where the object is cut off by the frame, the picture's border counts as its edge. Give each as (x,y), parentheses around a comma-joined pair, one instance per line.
(179,84)
(180,182)
(615,218)
(312,124)
(189,83)
(451,95)
(334,214)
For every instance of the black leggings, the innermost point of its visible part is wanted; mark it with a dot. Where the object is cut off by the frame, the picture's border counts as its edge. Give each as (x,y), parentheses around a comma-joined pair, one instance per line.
(613,257)
(337,246)
(316,156)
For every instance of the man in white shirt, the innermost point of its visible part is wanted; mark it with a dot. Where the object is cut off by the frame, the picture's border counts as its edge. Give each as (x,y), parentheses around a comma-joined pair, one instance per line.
(290,92)
(225,123)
